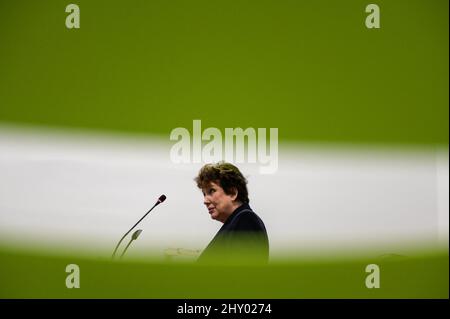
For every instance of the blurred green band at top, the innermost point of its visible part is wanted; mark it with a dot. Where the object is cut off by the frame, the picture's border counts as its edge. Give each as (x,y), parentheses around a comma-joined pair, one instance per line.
(310,68)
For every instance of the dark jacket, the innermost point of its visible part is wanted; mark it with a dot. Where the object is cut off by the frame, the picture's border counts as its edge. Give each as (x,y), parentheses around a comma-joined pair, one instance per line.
(243,236)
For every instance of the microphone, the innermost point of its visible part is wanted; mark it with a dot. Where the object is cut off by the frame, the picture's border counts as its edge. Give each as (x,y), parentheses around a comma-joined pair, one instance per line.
(161,199)
(133,237)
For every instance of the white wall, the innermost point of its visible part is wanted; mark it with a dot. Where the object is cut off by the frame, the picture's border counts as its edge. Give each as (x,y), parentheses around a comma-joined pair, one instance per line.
(86,190)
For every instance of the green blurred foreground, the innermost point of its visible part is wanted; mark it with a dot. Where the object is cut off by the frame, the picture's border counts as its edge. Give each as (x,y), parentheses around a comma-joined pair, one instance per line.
(38,275)
(310,68)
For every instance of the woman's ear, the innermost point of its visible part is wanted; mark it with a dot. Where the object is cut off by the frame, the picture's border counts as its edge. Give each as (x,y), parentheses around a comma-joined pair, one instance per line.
(234,194)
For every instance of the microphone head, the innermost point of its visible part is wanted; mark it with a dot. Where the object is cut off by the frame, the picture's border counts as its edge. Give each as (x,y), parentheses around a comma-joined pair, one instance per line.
(161,199)
(136,234)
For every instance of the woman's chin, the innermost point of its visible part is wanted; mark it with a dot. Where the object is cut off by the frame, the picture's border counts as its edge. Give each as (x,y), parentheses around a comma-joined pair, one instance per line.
(214,215)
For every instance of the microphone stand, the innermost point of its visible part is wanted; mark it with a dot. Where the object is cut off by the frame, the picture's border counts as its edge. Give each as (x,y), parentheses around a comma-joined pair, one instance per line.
(160,200)
(133,237)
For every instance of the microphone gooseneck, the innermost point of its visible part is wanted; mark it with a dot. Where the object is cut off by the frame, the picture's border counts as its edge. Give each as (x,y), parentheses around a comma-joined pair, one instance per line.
(161,199)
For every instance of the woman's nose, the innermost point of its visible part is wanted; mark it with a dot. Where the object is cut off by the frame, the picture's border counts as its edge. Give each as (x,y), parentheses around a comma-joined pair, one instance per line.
(206,200)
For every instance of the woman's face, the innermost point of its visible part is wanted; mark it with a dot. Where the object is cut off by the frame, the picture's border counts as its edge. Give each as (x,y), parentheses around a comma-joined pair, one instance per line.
(219,204)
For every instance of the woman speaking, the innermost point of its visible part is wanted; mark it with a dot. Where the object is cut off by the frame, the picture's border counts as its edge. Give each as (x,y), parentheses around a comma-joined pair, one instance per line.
(243,236)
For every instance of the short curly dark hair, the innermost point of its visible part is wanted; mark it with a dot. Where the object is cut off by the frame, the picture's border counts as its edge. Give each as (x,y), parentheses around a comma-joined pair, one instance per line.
(227,176)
